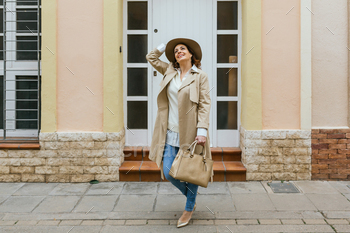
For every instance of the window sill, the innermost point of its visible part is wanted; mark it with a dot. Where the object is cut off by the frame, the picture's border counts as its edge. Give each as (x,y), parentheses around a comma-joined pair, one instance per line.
(19,144)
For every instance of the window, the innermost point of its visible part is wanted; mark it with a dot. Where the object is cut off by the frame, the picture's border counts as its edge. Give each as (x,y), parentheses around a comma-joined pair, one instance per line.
(20,69)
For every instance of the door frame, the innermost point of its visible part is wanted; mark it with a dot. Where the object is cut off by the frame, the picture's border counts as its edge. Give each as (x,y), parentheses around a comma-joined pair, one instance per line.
(214,98)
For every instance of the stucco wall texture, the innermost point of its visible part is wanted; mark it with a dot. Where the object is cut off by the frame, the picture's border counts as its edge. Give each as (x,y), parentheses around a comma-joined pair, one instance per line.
(329,64)
(79,65)
(281,64)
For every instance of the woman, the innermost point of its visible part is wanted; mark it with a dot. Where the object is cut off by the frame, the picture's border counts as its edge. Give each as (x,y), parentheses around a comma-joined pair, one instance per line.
(183,111)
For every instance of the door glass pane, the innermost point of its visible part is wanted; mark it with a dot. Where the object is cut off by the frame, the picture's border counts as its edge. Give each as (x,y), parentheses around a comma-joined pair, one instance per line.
(1,21)
(137,82)
(137,48)
(227,82)
(226,114)
(1,48)
(227,15)
(137,15)
(137,114)
(32,83)
(28,45)
(227,49)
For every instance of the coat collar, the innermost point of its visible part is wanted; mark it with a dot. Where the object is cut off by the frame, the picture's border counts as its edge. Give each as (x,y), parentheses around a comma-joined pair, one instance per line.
(171,72)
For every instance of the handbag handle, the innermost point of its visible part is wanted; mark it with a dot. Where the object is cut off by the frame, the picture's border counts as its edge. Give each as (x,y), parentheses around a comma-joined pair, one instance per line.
(195,144)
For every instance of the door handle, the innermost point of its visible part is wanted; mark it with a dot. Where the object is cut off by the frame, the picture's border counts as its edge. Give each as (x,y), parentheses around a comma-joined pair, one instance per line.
(154,73)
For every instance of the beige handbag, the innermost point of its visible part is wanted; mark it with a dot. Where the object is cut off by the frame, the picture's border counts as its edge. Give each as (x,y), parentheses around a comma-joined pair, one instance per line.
(192,168)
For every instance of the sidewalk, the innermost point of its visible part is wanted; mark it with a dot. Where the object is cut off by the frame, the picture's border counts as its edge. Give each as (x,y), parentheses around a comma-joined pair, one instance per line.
(320,206)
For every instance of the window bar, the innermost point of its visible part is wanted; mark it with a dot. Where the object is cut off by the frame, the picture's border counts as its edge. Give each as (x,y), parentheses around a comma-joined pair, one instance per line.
(38,52)
(4,76)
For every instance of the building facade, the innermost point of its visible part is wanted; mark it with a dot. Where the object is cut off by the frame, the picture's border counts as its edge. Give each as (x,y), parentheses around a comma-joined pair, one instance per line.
(278,73)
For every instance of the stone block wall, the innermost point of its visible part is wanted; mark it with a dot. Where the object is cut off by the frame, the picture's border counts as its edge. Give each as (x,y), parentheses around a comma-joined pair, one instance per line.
(276,154)
(66,157)
(330,154)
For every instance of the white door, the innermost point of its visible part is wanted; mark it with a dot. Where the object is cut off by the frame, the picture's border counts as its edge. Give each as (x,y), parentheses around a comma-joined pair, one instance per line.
(214,25)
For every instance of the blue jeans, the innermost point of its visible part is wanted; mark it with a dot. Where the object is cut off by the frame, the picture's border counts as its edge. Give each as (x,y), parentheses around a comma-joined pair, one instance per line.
(187,189)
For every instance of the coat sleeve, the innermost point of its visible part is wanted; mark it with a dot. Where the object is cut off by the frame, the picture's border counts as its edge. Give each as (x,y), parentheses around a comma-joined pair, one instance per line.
(153,58)
(204,103)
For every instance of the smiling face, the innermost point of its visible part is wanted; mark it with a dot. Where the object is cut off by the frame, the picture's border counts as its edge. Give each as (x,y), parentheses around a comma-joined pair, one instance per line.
(181,53)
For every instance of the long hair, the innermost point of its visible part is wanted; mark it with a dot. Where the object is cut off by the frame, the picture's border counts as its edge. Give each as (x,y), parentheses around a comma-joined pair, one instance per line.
(194,60)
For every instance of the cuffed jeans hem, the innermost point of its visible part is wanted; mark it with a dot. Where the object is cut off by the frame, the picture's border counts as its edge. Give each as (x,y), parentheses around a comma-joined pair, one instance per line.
(187,189)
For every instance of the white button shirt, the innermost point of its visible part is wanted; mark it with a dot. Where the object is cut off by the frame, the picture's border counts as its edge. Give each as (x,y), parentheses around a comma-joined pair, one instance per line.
(172,136)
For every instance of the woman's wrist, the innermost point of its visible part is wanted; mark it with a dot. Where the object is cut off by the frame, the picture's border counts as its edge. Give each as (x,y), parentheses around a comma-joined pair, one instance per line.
(202,132)
(161,47)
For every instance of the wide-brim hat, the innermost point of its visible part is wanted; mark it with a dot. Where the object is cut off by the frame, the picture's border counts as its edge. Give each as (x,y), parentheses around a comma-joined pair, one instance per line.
(169,50)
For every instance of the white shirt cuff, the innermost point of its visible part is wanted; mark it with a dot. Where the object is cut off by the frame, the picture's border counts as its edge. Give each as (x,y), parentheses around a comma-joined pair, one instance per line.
(202,132)
(161,47)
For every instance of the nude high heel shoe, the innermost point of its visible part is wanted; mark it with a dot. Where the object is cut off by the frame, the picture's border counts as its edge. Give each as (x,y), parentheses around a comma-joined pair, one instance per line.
(182,224)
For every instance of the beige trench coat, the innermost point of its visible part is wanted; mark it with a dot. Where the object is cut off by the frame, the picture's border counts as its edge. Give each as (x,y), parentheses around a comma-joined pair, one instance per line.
(193,104)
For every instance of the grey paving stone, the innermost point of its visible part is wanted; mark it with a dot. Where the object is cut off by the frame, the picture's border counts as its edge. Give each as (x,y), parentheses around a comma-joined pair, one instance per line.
(58,204)
(99,203)
(35,189)
(92,223)
(275,228)
(9,188)
(168,188)
(337,214)
(170,203)
(347,196)
(3,198)
(157,215)
(315,221)
(291,202)
(329,201)
(48,223)
(70,222)
(320,187)
(252,202)
(337,221)
(70,189)
(57,216)
(215,188)
(247,222)
(311,214)
(341,186)
(270,221)
(292,222)
(157,222)
(215,202)
(246,187)
(342,228)
(259,214)
(163,228)
(39,229)
(140,188)
(114,222)
(135,203)
(135,222)
(20,204)
(203,222)
(7,223)
(106,188)
(26,223)
(225,222)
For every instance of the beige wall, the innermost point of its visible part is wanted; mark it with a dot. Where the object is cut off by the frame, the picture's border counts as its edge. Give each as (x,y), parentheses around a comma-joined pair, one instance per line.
(281,64)
(80,48)
(251,118)
(329,64)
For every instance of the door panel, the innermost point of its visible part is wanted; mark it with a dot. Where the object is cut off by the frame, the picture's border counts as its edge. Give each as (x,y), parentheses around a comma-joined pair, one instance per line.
(185,19)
